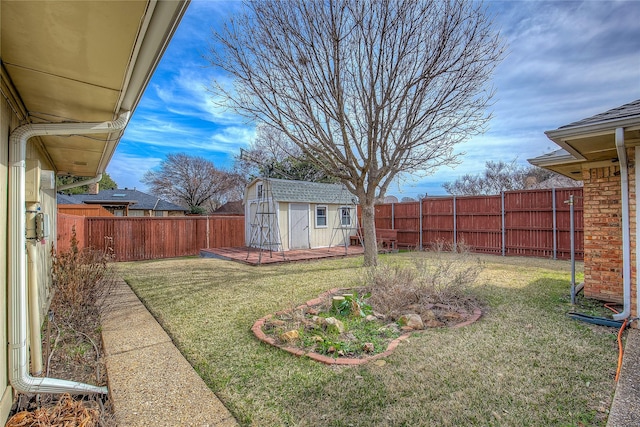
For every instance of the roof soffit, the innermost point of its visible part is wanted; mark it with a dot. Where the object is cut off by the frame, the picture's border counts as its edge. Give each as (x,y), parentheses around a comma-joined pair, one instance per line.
(83,61)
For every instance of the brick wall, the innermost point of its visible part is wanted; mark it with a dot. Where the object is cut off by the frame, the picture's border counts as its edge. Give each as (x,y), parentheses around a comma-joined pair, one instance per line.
(603,232)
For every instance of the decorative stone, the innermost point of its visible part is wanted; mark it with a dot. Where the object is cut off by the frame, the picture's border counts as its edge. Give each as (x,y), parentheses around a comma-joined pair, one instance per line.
(312,311)
(334,325)
(412,321)
(370,318)
(433,324)
(368,347)
(428,315)
(290,336)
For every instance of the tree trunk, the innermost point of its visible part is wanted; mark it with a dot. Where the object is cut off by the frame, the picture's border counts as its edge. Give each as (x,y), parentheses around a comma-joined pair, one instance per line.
(369,234)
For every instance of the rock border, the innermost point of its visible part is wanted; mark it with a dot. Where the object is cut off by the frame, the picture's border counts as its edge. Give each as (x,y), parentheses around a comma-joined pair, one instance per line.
(257,331)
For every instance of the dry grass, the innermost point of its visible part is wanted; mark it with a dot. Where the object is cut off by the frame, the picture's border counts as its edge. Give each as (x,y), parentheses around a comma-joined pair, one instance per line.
(523,364)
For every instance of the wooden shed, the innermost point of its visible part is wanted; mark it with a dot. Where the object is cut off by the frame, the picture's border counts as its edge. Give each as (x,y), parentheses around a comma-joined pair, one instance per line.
(284,215)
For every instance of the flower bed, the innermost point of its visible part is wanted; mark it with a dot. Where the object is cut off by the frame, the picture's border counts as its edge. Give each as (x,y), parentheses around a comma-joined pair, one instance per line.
(321,331)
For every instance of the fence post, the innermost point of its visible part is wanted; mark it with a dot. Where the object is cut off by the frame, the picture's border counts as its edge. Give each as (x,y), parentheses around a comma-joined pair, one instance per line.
(420,213)
(555,237)
(504,228)
(393,216)
(455,228)
(208,245)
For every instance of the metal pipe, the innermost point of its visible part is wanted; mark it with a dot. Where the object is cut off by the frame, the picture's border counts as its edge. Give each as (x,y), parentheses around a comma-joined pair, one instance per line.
(626,233)
(34,308)
(572,249)
(420,242)
(637,233)
(18,372)
(93,180)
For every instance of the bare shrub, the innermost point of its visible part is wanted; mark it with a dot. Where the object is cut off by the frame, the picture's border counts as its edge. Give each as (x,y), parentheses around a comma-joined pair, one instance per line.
(82,277)
(442,276)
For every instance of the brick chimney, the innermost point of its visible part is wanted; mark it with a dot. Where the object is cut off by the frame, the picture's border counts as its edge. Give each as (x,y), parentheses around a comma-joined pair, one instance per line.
(94,188)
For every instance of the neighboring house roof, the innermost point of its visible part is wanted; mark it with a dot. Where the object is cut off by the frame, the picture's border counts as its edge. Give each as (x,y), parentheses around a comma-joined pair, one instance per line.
(630,110)
(82,61)
(557,181)
(307,192)
(137,200)
(64,199)
(234,207)
(591,141)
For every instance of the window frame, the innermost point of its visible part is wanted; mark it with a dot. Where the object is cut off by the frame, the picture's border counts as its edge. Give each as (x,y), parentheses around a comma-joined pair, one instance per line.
(347,209)
(326,216)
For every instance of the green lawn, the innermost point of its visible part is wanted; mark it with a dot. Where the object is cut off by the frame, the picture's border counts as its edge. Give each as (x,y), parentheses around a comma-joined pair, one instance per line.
(524,363)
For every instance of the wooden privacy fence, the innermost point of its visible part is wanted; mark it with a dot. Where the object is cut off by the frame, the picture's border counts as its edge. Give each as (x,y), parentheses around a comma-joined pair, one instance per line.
(524,223)
(135,239)
(84,210)
(66,224)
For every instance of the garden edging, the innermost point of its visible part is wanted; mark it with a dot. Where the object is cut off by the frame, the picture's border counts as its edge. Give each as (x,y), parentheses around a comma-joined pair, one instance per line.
(259,333)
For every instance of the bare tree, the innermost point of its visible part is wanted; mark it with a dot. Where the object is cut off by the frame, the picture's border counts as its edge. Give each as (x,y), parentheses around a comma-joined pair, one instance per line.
(191,181)
(502,176)
(273,154)
(366,89)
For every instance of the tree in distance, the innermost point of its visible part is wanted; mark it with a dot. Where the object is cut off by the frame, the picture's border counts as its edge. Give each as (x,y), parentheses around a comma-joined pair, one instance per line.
(366,90)
(272,154)
(105,183)
(193,182)
(502,176)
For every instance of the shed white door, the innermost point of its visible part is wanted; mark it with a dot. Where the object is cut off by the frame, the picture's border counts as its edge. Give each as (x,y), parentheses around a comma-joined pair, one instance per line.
(299,226)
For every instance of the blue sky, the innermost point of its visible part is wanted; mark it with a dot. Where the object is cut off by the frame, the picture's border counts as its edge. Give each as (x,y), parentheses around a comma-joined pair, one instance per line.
(566,60)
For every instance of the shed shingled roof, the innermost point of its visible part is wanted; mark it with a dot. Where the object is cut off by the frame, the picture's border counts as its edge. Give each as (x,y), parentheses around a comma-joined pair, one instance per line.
(310,192)
(630,109)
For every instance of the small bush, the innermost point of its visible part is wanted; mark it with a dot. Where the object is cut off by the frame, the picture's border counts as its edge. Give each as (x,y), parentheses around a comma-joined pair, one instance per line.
(443,277)
(81,278)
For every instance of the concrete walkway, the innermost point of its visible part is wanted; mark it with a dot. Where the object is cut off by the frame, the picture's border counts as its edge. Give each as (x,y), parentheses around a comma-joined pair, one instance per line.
(150,382)
(625,409)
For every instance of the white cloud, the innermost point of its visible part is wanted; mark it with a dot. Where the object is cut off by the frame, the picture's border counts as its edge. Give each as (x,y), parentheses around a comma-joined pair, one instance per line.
(230,139)
(566,61)
(128,169)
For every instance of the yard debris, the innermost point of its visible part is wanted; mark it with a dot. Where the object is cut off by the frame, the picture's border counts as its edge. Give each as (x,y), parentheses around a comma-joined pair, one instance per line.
(66,413)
